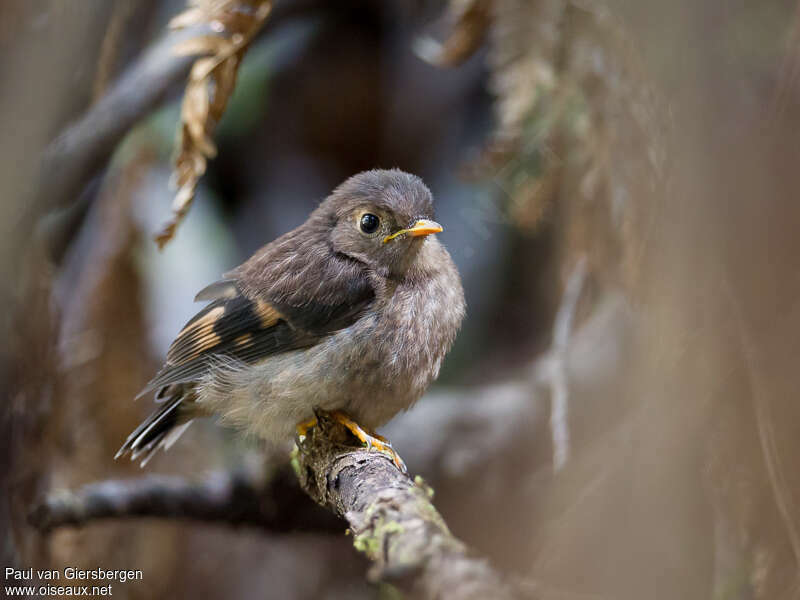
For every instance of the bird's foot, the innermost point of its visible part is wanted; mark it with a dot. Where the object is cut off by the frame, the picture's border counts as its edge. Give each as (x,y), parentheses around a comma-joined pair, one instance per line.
(304,426)
(369,439)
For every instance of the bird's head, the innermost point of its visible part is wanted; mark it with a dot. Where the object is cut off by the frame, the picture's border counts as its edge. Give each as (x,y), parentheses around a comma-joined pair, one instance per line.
(381,218)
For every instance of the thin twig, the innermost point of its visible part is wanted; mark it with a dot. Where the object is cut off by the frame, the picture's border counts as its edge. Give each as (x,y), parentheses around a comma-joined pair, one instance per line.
(776,470)
(553,369)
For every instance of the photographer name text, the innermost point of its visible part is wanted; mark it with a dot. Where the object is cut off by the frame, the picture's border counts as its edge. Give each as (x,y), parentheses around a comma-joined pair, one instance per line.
(73,578)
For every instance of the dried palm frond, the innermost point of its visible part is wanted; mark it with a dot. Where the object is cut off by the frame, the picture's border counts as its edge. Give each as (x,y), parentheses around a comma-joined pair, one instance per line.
(524,51)
(524,38)
(233,24)
(469,21)
(523,60)
(615,138)
(575,118)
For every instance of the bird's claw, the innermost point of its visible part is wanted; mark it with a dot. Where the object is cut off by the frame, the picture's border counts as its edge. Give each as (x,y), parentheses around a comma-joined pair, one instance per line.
(370,440)
(304,426)
(382,445)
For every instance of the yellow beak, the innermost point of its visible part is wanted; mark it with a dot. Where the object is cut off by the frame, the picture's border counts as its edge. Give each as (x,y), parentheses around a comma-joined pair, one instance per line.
(421,227)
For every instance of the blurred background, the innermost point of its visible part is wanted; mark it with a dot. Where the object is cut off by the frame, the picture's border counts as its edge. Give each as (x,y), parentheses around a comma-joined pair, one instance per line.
(620,416)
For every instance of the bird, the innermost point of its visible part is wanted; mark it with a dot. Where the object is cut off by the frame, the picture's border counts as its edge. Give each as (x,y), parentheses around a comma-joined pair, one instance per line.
(351,314)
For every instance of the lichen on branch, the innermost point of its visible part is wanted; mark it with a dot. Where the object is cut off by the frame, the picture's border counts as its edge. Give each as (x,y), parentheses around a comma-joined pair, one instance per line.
(392,520)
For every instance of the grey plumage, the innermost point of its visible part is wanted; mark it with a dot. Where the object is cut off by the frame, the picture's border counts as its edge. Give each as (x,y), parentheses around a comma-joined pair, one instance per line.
(331,315)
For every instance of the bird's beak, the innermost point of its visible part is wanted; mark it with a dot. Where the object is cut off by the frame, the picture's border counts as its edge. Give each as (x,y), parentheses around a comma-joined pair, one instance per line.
(421,227)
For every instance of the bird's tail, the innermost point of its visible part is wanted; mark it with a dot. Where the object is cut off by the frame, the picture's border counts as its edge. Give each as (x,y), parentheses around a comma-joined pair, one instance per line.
(160,430)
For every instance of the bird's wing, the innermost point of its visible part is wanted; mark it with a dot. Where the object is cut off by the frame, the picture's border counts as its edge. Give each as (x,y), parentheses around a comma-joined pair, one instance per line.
(311,285)
(234,328)
(246,325)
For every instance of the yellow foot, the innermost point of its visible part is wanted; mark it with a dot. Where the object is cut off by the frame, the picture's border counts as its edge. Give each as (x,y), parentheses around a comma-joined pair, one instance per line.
(304,426)
(371,440)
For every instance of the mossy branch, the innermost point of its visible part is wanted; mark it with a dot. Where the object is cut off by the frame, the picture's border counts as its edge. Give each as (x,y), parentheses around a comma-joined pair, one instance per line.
(391,517)
(392,520)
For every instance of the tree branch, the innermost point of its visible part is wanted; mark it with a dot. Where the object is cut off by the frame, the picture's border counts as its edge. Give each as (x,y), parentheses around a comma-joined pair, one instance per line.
(391,516)
(85,145)
(83,148)
(392,520)
(277,504)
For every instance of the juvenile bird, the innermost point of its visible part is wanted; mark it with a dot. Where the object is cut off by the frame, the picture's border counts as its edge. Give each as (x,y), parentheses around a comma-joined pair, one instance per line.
(350,313)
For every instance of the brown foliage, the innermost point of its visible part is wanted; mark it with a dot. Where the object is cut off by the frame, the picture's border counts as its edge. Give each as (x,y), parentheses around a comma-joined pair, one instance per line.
(234,23)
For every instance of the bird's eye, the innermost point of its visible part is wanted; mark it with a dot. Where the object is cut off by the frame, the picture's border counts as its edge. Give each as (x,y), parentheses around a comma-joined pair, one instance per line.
(369,223)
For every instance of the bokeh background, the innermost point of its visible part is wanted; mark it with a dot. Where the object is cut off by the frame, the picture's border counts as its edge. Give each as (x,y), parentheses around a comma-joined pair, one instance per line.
(620,416)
